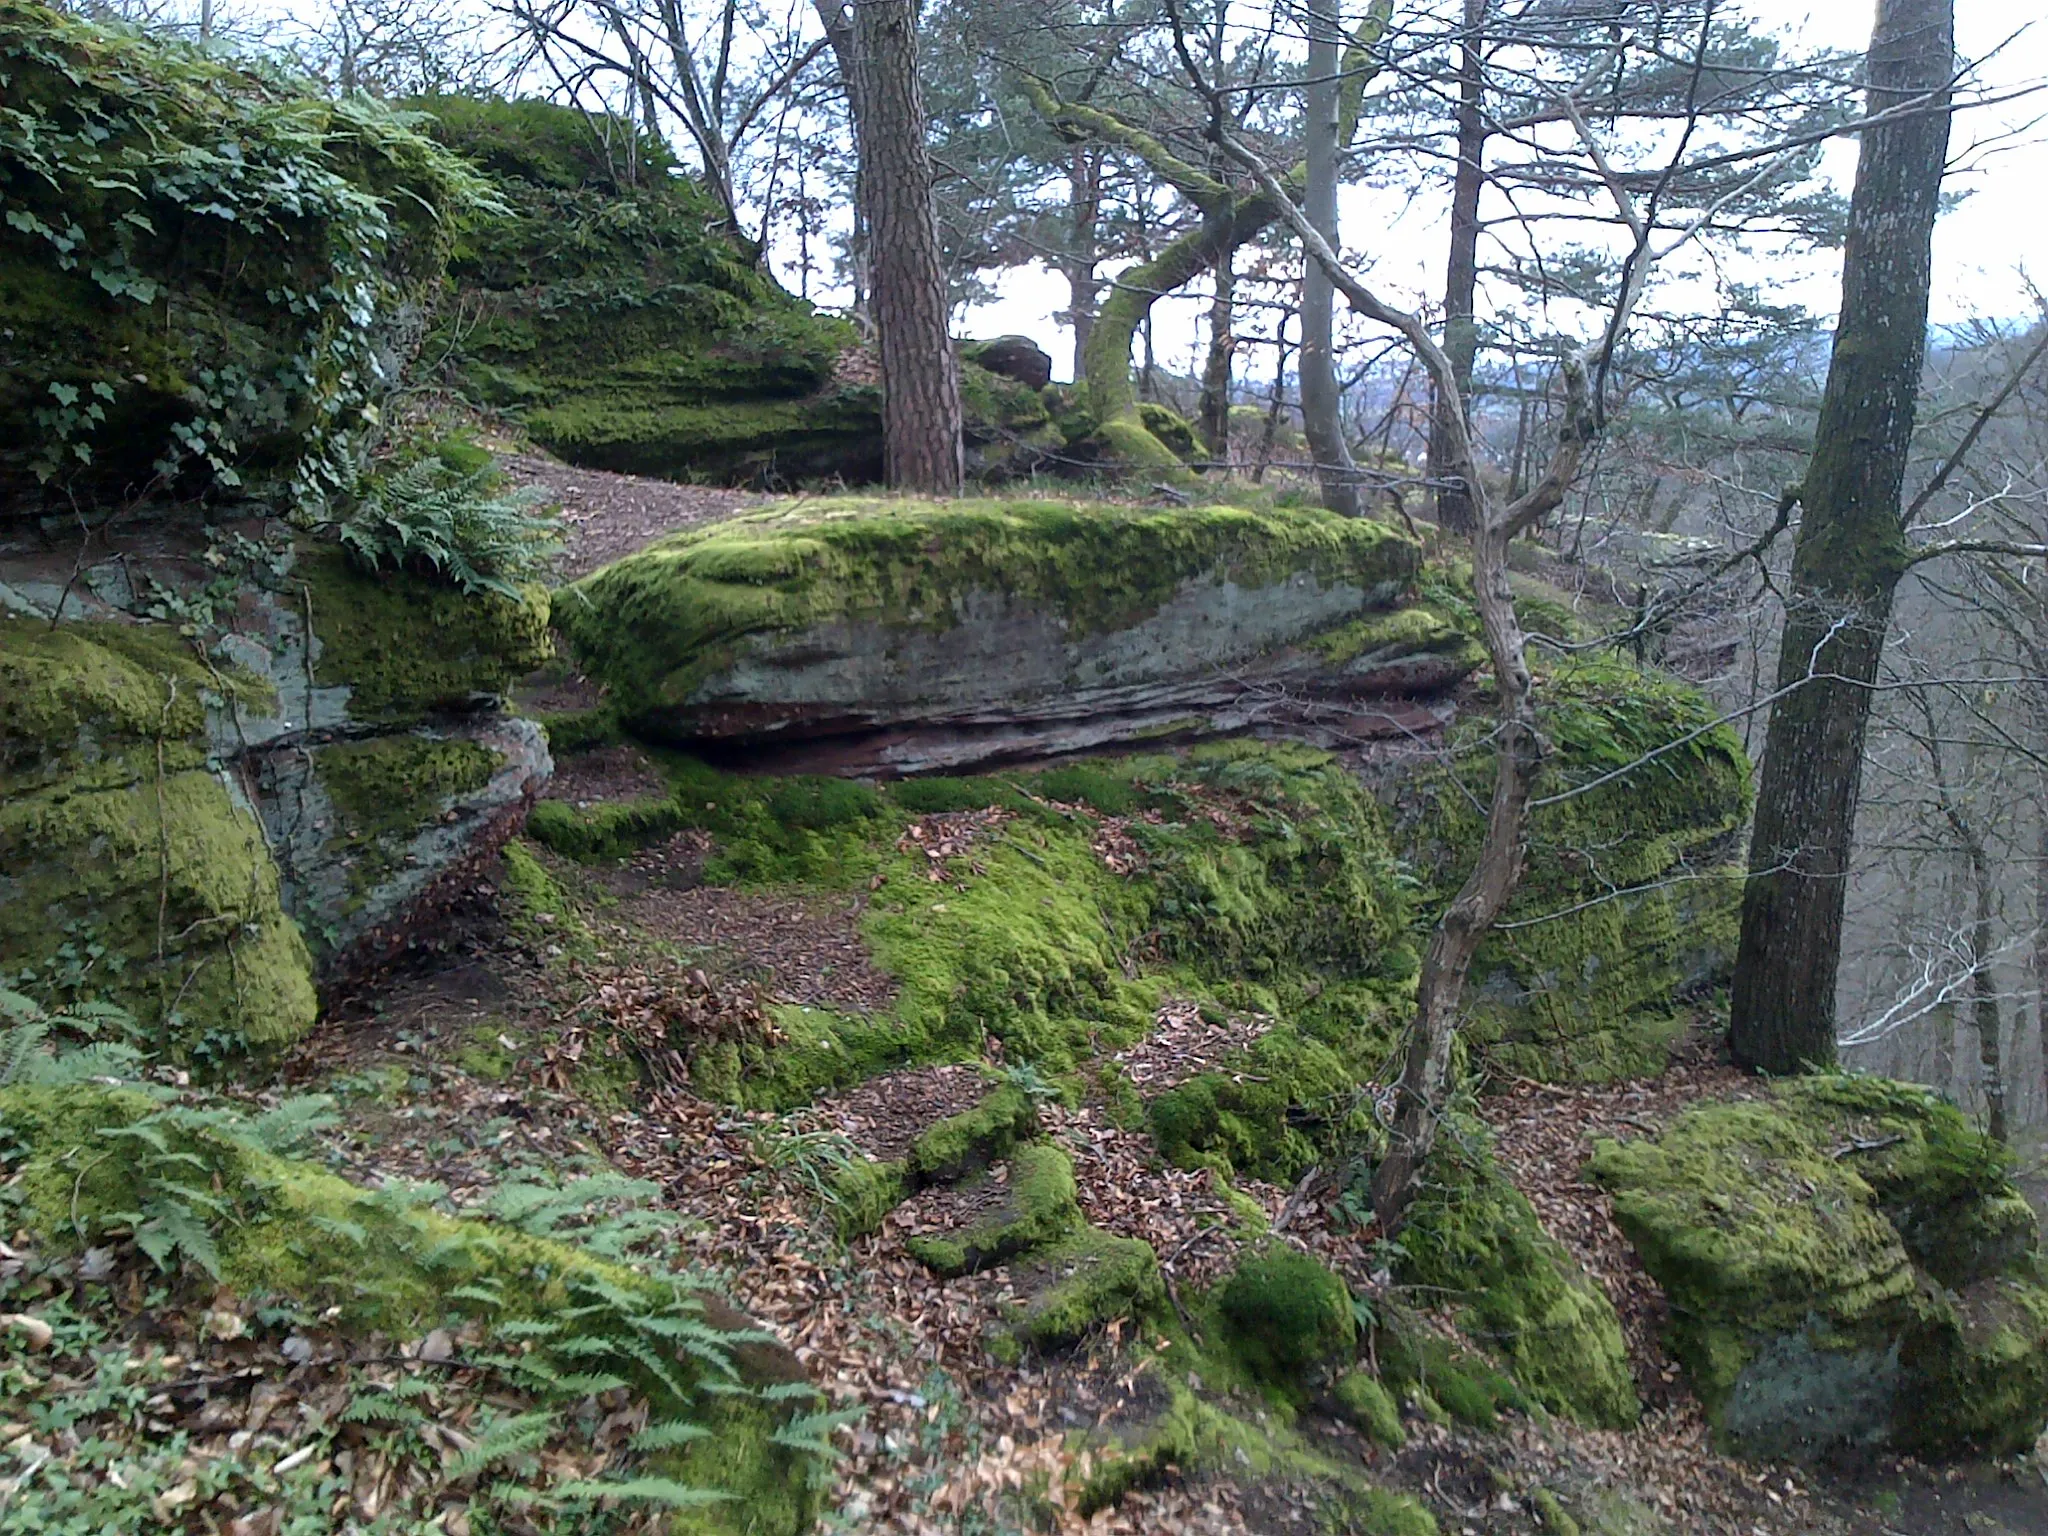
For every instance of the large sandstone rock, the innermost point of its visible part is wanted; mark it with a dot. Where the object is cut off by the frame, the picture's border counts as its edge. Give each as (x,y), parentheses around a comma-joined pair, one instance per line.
(202,818)
(1848,1266)
(874,635)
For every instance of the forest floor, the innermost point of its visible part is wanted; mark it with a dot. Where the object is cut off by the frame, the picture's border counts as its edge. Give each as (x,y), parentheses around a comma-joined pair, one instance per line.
(464,1066)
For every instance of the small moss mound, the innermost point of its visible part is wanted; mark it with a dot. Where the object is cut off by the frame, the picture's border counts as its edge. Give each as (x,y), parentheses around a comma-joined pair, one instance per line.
(1287,1316)
(1039,1209)
(1444,1380)
(1082,1282)
(1370,1408)
(958,1145)
(608,830)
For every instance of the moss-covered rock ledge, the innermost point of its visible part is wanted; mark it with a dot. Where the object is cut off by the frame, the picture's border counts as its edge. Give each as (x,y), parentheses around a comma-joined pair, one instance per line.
(1848,1266)
(983,629)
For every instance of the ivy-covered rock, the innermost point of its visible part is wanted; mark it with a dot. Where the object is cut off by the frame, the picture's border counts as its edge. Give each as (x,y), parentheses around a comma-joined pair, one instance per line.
(208,273)
(924,636)
(1848,1264)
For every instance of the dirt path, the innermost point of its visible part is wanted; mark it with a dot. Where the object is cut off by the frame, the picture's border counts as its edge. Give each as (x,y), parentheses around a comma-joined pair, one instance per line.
(608,515)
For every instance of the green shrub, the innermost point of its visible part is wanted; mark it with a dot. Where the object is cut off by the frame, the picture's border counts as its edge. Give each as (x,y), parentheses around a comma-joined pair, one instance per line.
(453,523)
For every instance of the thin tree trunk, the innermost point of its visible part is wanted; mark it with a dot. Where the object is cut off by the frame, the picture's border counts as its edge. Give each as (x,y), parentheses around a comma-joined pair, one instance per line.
(920,375)
(1847,560)
(2041,896)
(1215,413)
(1084,201)
(1321,416)
(1984,1016)
(1454,509)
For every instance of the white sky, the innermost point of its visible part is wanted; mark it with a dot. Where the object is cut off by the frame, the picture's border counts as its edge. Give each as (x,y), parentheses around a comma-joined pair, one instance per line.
(1982,250)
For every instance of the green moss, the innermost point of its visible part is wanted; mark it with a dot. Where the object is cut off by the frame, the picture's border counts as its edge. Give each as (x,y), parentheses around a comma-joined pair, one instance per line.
(169,886)
(779,831)
(954,1147)
(655,625)
(603,831)
(1473,1238)
(1419,630)
(1440,1378)
(1630,894)
(1081,1283)
(535,906)
(1127,442)
(1287,1316)
(1552,1515)
(285,1229)
(1371,1408)
(1798,1307)
(1038,1210)
(580,730)
(1379,1513)
(404,645)
(863,1193)
(1945,1186)
(391,783)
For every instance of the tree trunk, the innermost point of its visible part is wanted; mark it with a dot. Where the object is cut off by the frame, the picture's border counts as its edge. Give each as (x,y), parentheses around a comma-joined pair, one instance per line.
(1984,1017)
(1215,413)
(1084,201)
(1425,1077)
(907,278)
(1454,508)
(2041,893)
(1321,408)
(1847,560)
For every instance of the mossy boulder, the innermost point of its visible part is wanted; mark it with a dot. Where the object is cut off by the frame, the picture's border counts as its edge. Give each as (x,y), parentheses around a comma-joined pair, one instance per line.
(196,827)
(89,1163)
(1288,1317)
(1473,1240)
(976,629)
(133,872)
(1631,887)
(1805,1313)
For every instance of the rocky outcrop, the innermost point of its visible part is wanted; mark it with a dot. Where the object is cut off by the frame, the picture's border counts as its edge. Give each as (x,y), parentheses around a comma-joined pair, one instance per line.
(206,812)
(1848,1266)
(877,636)
(1011,357)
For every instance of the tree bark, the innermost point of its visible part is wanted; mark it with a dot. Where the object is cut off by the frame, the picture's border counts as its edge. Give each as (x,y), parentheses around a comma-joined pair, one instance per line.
(1321,408)
(1847,559)
(1215,412)
(1454,509)
(1984,1014)
(907,276)
(1084,203)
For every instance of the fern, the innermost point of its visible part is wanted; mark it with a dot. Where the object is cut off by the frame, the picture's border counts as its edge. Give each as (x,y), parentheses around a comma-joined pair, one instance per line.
(283,1128)
(812,1432)
(41,1048)
(645,1490)
(669,1434)
(456,524)
(520,1435)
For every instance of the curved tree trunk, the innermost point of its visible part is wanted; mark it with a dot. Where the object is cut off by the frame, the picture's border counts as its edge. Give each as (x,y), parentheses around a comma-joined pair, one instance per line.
(1321,409)
(907,278)
(1216,370)
(1847,560)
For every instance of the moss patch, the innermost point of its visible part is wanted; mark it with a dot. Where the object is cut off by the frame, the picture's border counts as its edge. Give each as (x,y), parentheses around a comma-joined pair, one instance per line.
(1629,896)
(1369,1407)
(1082,1282)
(1287,1316)
(404,645)
(1472,1237)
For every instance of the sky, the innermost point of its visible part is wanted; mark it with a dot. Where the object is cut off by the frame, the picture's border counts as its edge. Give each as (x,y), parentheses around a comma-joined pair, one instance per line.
(1983,248)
